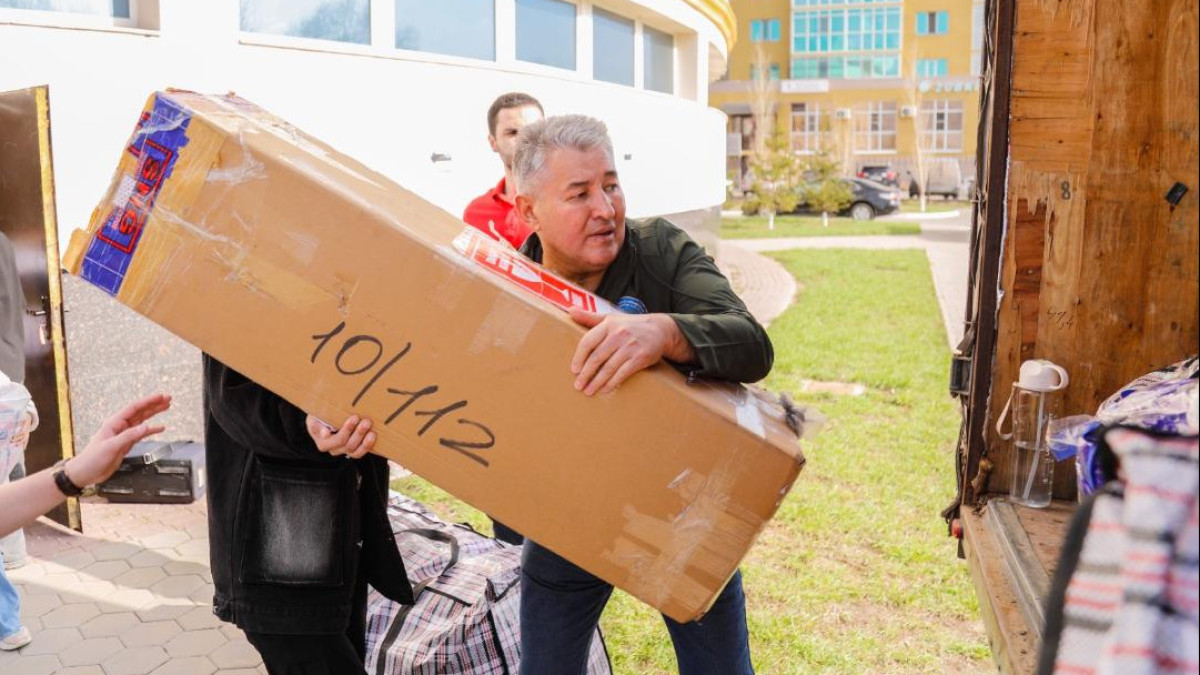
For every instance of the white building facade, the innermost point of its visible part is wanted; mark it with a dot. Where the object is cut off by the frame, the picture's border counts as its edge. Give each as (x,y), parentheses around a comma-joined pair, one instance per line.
(402,85)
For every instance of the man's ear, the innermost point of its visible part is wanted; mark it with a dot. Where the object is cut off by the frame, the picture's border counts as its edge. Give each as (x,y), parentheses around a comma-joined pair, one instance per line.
(524,207)
(492,142)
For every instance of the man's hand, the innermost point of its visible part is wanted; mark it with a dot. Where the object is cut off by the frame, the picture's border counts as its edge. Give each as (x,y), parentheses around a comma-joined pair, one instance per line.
(353,440)
(619,345)
(104,452)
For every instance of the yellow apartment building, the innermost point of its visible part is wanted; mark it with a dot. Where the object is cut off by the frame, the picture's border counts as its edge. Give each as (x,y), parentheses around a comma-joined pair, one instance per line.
(873,80)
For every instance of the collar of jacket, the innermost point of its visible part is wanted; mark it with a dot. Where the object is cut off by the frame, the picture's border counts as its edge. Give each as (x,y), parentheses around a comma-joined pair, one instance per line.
(619,275)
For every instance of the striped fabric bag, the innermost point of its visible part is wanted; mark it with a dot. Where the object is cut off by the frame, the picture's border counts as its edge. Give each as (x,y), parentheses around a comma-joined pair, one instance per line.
(1125,596)
(466,619)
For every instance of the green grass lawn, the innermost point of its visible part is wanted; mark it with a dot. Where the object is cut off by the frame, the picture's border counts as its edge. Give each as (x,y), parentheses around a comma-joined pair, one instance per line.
(755,227)
(855,573)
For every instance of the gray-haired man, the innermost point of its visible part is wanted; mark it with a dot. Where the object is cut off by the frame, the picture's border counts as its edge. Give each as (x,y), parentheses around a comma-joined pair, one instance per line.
(679,308)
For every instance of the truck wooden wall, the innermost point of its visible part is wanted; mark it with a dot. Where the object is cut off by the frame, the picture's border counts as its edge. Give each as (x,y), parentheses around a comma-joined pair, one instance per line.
(1099,269)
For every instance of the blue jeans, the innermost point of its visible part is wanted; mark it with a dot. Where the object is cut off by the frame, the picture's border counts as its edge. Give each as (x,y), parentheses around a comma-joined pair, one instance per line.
(561,605)
(10,604)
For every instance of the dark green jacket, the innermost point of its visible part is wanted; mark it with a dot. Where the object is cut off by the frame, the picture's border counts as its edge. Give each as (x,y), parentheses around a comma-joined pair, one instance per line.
(662,267)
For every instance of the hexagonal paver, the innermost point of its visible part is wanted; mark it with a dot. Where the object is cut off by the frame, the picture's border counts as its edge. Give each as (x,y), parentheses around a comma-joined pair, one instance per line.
(93,651)
(81,670)
(166,539)
(106,569)
(182,567)
(126,599)
(154,633)
(164,612)
(236,654)
(195,643)
(135,661)
(116,551)
(61,581)
(147,559)
(198,618)
(75,559)
(240,671)
(93,590)
(70,615)
(190,550)
(203,595)
(39,605)
(178,587)
(32,570)
(33,665)
(193,665)
(141,577)
(50,641)
(108,625)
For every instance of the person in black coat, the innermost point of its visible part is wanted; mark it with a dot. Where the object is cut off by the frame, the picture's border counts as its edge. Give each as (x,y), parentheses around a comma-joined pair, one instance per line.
(298,527)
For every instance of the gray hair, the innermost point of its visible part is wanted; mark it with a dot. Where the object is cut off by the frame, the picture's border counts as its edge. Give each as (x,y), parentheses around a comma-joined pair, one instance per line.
(537,140)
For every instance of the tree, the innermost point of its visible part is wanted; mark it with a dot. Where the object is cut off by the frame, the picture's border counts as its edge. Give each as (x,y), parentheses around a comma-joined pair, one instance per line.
(778,174)
(914,100)
(825,190)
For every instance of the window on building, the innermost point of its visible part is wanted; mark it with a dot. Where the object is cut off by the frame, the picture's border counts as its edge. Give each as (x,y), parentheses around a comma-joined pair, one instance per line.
(456,27)
(764,30)
(806,127)
(865,34)
(846,67)
(546,32)
(932,68)
(941,125)
(117,9)
(612,47)
(773,71)
(875,126)
(933,23)
(743,127)
(340,20)
(658,53)
(838,3)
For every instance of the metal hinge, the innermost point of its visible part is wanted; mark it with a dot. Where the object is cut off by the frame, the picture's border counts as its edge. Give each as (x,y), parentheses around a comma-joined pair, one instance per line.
(960,375)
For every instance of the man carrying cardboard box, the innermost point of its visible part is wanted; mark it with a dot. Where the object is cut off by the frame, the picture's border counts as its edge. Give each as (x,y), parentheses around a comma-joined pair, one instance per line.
(679,308)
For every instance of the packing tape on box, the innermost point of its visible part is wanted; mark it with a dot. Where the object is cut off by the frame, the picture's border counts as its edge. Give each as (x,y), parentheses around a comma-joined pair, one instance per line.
(681,568)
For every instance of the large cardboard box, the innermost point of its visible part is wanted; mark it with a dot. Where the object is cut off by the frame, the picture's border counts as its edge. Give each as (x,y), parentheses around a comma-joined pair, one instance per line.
(343,292)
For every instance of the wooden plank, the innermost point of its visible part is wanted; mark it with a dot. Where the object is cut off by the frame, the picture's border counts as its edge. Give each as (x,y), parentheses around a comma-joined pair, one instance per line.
(1014,646)
(1009,581)
(1046,529)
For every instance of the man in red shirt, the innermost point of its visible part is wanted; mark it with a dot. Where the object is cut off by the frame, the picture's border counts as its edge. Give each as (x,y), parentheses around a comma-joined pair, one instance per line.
(493,212)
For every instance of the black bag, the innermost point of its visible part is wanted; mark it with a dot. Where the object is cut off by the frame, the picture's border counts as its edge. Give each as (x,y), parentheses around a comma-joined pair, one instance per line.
(158,473)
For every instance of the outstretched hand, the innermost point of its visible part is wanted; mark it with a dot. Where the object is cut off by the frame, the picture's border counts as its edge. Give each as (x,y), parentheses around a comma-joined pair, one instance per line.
(104,452)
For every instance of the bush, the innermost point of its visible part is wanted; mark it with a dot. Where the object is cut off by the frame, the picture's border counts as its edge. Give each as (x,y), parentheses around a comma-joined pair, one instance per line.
(750,205)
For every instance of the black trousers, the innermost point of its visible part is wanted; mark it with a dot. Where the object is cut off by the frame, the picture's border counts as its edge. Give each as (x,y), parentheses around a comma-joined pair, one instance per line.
(342,654)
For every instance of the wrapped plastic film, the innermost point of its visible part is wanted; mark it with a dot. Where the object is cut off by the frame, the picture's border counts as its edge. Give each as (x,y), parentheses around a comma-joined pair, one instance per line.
(1166,401)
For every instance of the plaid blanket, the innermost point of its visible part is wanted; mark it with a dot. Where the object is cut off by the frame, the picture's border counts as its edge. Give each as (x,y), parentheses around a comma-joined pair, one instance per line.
(1131,602)
(466,619)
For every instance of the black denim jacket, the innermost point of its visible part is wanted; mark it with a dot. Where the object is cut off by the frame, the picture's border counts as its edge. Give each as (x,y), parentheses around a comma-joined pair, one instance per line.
(292,531)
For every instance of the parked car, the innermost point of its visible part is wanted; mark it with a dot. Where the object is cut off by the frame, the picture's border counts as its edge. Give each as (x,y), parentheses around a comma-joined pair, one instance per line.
(880,173)
(943,177)
(870,199)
